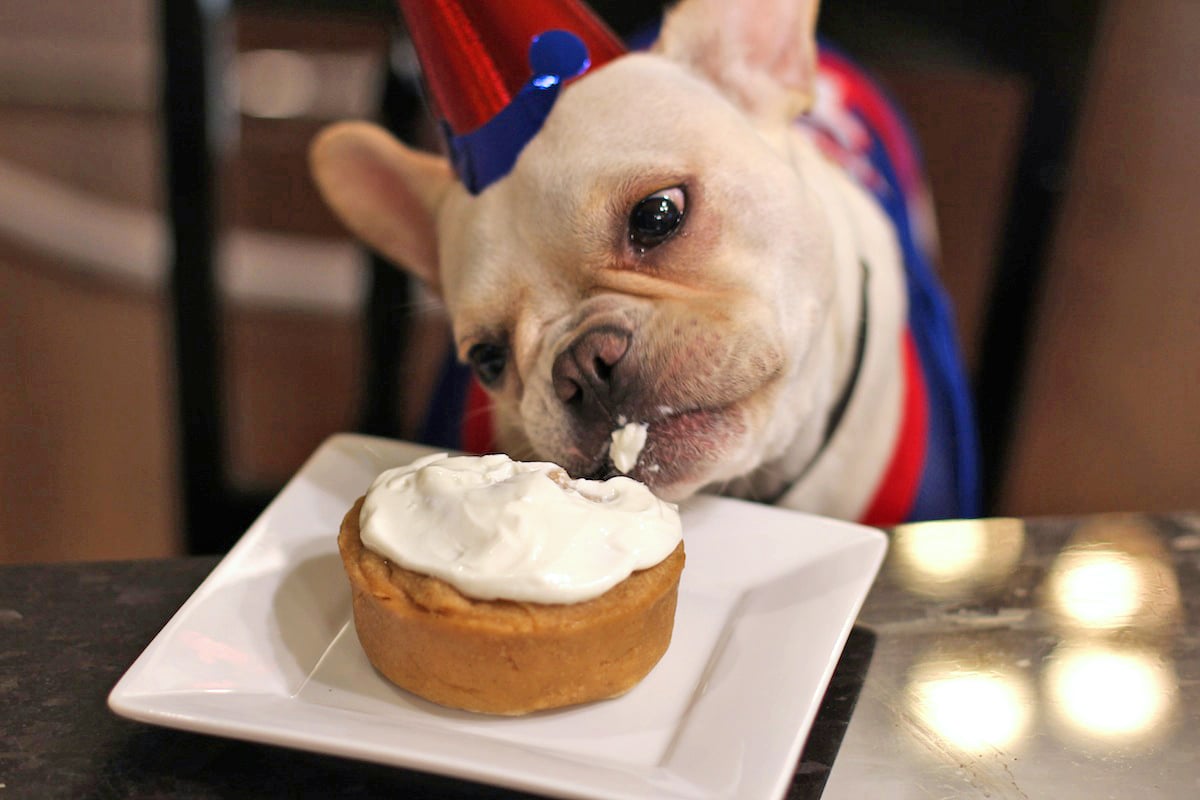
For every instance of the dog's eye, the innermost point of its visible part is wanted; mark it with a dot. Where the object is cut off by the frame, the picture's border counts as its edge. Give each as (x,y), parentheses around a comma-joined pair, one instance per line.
(656,217)
(488,359)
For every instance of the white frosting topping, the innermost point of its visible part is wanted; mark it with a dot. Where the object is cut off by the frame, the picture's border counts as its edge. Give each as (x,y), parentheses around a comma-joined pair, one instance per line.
(627,444)
(497,528)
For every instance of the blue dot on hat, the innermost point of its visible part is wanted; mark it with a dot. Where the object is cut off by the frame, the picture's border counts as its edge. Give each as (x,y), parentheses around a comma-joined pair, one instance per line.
(561,54)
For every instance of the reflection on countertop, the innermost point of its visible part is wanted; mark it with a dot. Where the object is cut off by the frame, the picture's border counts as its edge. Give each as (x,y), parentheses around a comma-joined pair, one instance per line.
(1038,658)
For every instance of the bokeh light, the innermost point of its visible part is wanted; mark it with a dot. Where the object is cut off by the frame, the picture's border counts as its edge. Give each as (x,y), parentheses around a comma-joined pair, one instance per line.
(951,558)
(1115,576)
(276,84)
(971,709)
(1111,695)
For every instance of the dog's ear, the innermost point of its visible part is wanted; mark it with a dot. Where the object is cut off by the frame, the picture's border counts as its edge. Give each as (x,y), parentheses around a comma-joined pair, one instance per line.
(384,192)
(760,53)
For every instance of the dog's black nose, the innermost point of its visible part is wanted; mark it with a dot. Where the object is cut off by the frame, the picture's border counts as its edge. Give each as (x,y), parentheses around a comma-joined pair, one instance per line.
(587,374)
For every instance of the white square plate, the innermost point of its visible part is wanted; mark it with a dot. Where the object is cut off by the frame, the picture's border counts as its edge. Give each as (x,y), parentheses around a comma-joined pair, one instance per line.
(265,651)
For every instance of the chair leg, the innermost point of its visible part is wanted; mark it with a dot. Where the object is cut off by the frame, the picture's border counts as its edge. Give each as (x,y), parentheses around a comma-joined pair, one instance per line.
(1059,81)
(191,112)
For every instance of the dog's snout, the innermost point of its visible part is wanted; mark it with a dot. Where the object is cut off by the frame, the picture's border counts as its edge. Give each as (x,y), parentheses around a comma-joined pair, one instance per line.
(586,373)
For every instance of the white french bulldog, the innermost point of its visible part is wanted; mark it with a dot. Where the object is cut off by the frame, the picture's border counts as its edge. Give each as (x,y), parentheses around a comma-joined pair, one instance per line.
(668,250)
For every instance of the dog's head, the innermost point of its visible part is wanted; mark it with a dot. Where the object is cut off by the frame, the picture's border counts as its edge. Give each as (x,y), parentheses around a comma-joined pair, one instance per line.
(658,253)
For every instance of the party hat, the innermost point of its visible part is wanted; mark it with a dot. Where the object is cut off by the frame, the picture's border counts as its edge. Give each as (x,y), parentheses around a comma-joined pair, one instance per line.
(493,69)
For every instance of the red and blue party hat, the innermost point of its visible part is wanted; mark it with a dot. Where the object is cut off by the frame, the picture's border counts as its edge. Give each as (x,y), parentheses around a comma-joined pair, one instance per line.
(493,68)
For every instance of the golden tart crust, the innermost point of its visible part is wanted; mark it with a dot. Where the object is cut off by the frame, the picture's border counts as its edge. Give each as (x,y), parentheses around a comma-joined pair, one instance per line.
(501,656)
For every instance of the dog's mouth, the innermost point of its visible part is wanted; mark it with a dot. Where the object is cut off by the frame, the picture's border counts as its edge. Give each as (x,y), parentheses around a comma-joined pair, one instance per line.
(680,448)
(697,397)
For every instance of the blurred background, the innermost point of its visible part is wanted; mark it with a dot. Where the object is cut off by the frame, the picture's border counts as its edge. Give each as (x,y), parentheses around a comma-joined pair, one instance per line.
(1062,141)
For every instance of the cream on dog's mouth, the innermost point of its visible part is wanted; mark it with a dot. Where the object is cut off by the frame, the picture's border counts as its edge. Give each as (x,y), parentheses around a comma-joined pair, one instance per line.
(627,444)
(677,447)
